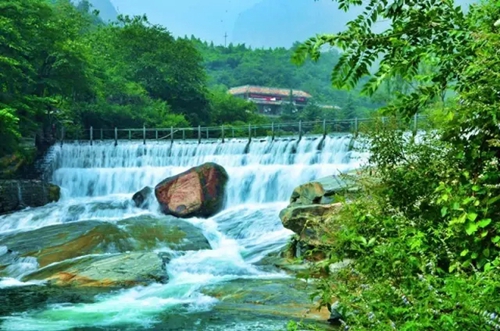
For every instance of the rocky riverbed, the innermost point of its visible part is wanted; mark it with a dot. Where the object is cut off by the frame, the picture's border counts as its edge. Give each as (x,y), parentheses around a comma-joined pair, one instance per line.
(98,259)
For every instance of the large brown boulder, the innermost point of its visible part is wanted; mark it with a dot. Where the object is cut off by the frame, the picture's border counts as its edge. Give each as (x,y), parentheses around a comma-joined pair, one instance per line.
(197,192)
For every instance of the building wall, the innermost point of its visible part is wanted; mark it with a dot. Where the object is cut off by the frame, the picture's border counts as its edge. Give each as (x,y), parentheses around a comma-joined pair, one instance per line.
(270,104)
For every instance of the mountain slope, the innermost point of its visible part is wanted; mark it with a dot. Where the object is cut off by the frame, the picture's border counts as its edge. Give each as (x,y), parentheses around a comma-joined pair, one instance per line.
(107,12)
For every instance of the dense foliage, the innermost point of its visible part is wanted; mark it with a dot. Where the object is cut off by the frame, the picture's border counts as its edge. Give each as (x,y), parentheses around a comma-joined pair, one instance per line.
(424,234)
(61,66)
(237,65)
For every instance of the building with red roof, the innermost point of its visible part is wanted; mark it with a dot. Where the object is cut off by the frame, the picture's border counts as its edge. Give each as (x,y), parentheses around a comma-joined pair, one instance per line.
(269,100)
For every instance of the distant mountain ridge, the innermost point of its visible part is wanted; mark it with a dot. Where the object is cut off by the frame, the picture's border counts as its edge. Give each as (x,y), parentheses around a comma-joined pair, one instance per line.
(256,23)
(107,11)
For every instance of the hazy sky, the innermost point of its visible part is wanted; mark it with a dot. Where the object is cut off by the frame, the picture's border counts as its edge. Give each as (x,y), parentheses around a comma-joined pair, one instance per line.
(206,19)
(259,23)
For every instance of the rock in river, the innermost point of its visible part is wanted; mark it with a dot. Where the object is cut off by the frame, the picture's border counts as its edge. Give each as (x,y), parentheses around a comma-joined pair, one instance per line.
(197,192)
(61,242)
(320,191)
(312,206)
(308,221)
(121,270)
(142,197)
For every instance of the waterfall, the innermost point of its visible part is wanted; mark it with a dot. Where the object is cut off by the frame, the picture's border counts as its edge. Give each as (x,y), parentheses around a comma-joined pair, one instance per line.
(262,171)
(19,195)
(98,181)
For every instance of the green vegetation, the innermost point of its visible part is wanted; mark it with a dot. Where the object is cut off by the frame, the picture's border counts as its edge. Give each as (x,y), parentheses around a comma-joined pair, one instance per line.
(424,234)
(237,65)
(61,66)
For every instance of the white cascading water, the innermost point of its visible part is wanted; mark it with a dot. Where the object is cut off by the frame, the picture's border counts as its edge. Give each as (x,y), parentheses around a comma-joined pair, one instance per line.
(97,183)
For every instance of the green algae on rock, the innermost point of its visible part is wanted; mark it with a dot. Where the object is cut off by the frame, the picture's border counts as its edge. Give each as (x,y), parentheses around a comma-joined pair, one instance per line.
(119,270)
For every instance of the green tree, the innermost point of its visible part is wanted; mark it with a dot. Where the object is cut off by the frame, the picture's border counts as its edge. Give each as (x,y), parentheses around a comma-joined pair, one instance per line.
(424,233)
(227,109)
(43,61)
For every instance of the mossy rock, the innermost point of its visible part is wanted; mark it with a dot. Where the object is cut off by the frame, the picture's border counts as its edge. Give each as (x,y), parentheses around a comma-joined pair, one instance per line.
(54,193)
(121,270)
(61,242)
(149,232)
(288,298)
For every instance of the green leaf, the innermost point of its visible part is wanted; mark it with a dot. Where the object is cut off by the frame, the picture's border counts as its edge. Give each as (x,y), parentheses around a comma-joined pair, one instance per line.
(493,200)
(484,223)
(487,266)
(444,211)
(495,239)
(464,252)
(471,228)
(472,216)
(486,252)
(467,200)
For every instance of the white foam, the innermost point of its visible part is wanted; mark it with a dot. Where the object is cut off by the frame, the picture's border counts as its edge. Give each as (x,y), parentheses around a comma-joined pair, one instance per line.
(98,182)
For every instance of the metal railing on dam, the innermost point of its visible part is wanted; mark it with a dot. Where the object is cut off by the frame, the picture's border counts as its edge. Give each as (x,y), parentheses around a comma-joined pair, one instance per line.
(296,130)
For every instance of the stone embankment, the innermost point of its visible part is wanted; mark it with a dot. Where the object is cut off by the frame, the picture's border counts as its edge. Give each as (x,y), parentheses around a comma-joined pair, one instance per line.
(19,194)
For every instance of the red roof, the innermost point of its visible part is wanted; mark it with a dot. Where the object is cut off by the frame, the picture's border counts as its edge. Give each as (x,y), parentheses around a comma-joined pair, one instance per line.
(268,91)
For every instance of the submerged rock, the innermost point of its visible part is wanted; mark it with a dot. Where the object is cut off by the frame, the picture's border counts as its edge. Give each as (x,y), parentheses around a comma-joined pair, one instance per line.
(149,233)
(197,192)
(142,197)
(288,298)
(32,297)
(65,241)
(61,242)
(122,270)
(18,194)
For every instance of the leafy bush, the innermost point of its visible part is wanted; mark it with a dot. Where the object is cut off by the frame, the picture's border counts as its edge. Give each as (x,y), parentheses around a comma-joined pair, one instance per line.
(413,268)
(425,233)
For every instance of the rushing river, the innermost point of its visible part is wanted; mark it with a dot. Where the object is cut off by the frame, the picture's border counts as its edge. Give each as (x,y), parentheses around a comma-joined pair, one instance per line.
(97,183)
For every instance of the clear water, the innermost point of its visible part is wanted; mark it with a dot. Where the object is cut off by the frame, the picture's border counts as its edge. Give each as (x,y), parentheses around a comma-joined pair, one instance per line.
(97,184)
